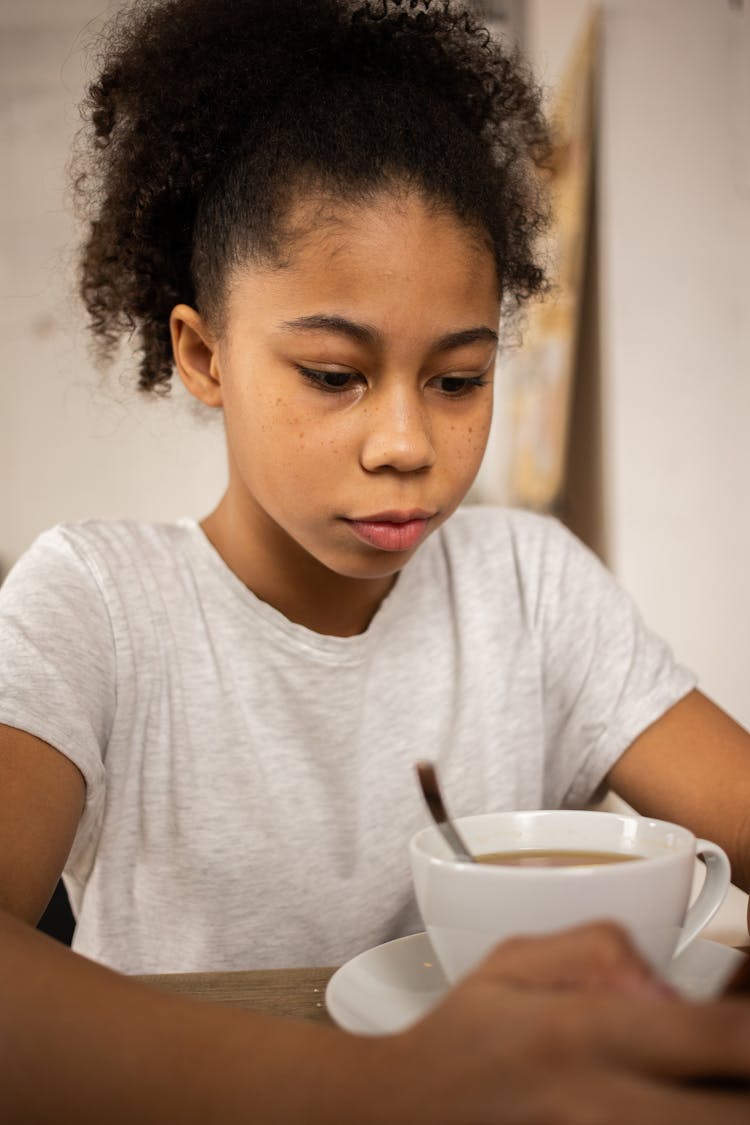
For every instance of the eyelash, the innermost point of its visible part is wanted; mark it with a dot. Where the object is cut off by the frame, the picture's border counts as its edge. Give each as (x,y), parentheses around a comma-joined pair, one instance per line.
(318,380)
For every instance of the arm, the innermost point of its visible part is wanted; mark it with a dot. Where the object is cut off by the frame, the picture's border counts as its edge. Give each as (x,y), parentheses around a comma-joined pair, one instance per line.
(549,1023)
(692,766)
(561,1028)
(110,1048)
(41,801)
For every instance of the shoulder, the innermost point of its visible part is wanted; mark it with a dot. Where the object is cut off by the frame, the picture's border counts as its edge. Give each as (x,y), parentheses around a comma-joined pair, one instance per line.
(516,557)
(97,552)
(115,539)
(108,536)
(499,536)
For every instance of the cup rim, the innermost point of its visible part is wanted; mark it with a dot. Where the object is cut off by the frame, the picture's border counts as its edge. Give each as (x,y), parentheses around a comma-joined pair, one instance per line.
(687,842)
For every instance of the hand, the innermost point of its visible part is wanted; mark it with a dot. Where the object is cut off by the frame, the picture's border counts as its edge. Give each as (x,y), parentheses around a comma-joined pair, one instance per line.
(570,1028)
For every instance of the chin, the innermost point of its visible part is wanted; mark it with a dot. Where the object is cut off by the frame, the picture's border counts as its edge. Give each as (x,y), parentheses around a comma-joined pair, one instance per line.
(374,568)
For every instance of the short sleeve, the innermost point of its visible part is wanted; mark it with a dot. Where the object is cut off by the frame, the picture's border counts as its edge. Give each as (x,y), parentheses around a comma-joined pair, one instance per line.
(57,664)
(607,676)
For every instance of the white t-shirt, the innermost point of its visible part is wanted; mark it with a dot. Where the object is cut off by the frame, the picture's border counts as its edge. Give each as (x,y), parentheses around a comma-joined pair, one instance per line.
(250,785)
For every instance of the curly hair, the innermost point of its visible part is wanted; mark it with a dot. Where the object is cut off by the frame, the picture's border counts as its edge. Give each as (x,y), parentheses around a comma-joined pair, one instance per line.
(209,115)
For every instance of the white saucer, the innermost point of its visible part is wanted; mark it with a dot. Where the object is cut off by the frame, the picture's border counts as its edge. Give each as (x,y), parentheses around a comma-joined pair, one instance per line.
(386,989)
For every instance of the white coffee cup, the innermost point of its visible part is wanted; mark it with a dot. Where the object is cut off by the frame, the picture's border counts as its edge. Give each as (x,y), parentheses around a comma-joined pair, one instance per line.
(468,908)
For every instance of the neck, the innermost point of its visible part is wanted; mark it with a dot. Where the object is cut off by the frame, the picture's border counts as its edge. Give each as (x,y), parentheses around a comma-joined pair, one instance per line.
(285,576)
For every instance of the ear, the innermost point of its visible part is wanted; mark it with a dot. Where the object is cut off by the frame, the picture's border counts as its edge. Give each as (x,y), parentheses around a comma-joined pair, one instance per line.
(195,355)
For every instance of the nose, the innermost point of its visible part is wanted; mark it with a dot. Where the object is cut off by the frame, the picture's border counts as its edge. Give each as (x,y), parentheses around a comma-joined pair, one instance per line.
(397,433)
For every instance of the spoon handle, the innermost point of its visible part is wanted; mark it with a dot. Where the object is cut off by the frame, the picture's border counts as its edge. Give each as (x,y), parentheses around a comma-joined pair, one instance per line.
(431,791)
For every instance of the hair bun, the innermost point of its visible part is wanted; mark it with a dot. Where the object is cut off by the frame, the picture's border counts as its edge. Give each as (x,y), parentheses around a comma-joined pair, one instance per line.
(193,94)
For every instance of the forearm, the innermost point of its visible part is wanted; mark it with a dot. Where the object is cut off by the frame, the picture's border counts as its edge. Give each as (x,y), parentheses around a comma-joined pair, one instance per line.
(693,766)
(82,1044)
(572,1026)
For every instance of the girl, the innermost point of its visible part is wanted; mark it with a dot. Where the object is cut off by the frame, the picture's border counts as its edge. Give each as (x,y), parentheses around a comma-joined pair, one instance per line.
(317,213)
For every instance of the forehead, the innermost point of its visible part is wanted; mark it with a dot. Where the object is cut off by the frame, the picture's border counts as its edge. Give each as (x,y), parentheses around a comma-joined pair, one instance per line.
(395,252)
(327,224)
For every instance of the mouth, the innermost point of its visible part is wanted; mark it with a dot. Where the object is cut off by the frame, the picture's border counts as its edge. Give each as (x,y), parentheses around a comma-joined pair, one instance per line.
(392,530)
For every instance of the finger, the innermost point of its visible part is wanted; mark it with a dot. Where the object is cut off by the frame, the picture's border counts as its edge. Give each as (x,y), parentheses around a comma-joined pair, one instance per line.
(677,1105)
(611,1096)
(595,956)
(679,1040)
(739,983)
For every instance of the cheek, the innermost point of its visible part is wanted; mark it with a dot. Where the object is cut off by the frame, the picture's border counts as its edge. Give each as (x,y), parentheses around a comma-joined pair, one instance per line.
(468,440)
(476,436)
(294,461)
(263,437)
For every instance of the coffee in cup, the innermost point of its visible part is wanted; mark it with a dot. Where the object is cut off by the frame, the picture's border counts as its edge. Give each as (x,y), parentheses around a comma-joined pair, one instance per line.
(644,883)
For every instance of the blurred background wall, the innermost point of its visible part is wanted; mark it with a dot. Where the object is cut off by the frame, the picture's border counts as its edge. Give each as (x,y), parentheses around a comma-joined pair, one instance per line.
(660,457)
(73,443)
(666,405)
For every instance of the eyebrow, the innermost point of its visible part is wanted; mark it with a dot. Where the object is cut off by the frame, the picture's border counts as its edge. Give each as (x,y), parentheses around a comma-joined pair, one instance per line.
(366,334)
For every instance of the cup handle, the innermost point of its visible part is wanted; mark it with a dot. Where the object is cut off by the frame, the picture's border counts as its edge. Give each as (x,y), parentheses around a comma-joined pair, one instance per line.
(712,893)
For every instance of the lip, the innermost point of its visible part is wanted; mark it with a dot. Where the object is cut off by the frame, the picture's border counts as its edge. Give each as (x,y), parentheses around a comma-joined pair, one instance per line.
(392,530)
(394,516)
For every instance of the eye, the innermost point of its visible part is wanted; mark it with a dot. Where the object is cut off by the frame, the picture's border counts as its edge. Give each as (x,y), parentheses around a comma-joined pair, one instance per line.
(457,386)
(329,381)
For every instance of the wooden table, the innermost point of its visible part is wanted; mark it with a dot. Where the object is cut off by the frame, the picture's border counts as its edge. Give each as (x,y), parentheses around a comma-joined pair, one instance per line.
(281,992)
(299,993)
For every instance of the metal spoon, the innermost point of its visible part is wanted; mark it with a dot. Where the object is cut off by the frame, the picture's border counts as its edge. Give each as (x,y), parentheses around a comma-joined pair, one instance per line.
(431,790)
